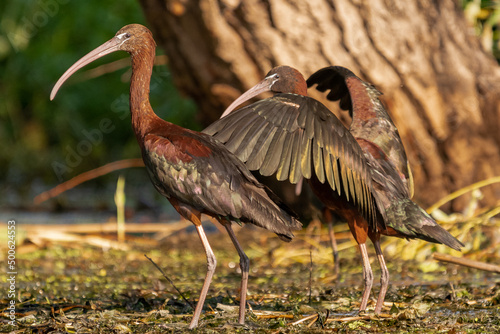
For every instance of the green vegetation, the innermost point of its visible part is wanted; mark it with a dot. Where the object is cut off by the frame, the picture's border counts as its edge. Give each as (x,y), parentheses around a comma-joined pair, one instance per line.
(77,288)
(88,125)
(45,143)
(484,15)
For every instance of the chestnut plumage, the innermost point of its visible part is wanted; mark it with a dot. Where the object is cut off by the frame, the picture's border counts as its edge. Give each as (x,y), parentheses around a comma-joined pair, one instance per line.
(361,173)
(196,173)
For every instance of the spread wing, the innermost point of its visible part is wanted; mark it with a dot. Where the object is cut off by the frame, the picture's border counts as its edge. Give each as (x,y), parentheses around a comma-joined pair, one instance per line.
(371,121)
(294,136)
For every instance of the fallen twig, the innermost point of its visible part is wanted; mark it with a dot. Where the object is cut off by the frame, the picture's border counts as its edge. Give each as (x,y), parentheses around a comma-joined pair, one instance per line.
(466,262)
(58,236)
(109,227)
(273,316)
(171,282)
(313,321)
(91,174)
(39,235)
(362,317)
(304,319)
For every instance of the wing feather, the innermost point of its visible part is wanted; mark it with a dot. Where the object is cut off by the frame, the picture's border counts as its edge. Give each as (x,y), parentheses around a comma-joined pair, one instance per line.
(319,167)
(252,136)
(261,147)
(295,172)
(284,165)
(274,153)
(305,156)
(237,137)
(297,135)
(371,121)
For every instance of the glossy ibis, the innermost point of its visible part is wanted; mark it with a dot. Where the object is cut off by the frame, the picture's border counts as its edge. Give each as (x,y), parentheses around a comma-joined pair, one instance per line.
(196,173)
(293,135)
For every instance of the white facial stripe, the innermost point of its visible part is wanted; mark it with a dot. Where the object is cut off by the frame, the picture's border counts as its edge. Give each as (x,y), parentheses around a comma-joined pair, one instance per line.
(274,78)
(121,35)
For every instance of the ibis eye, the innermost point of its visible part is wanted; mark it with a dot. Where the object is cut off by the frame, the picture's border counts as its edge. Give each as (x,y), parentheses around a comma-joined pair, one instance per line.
(124,35)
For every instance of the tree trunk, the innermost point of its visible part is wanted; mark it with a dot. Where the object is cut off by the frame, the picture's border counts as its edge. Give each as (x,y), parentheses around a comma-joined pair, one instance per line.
(441,88)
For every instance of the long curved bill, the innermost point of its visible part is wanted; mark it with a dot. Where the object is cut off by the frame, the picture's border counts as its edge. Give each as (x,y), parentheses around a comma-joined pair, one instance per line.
(261,87)
(110,46)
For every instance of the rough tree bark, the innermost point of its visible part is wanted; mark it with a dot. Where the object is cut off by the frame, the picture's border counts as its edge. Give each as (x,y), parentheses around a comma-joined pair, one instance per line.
(440,86)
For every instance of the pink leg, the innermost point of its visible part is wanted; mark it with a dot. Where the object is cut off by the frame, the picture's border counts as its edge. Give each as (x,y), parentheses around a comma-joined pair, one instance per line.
(244,265)
(298,187)
(211,264)
(384,277)
(367,276)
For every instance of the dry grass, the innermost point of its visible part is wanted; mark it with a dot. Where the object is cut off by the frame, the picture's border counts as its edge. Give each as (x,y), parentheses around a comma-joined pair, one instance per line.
(84,280)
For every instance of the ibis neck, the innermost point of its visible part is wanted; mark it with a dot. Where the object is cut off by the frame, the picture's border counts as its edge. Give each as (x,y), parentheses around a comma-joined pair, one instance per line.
(143,115)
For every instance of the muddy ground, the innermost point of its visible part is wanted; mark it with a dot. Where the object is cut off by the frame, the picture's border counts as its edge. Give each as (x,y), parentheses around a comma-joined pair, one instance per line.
(76,288)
